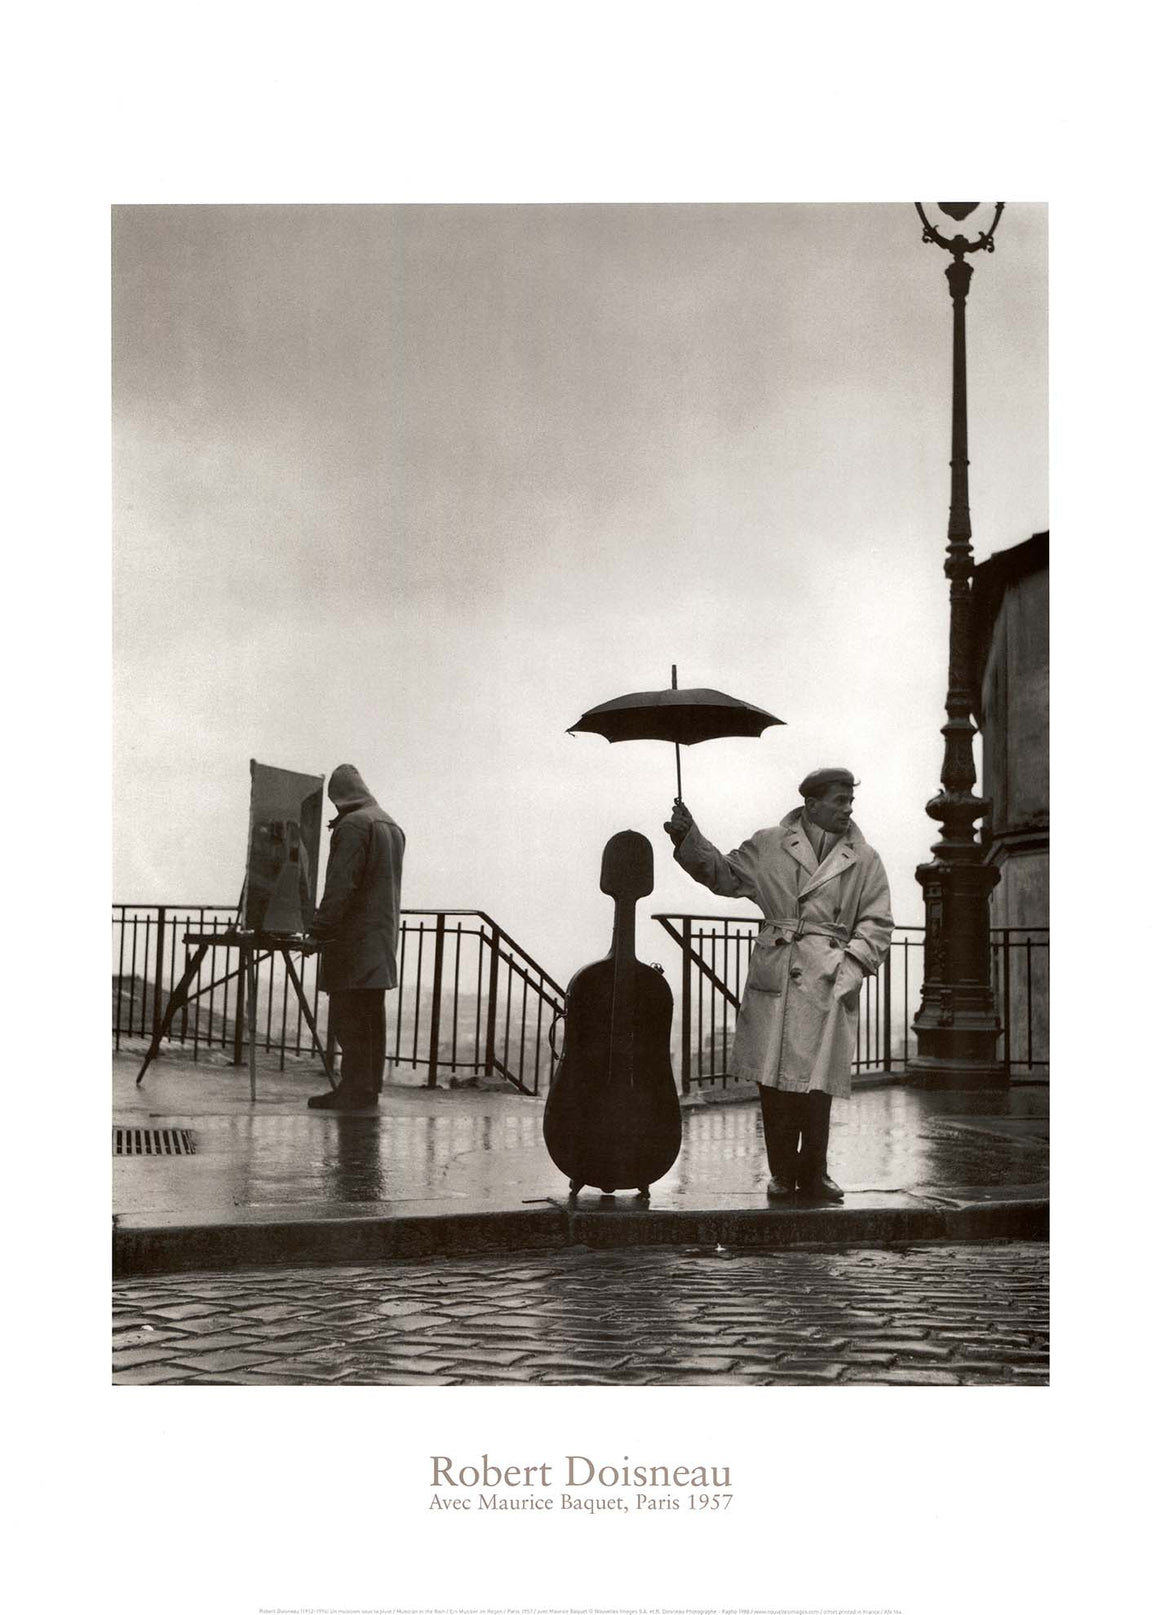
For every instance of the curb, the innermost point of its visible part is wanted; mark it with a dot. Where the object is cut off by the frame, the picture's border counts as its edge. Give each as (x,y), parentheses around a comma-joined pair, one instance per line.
(142,1249)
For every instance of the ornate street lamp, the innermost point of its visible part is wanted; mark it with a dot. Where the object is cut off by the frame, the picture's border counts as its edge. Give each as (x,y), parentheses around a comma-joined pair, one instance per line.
(956,1025)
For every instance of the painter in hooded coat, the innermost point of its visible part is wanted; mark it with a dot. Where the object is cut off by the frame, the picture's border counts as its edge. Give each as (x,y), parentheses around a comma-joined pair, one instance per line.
(826,927)
(358,918)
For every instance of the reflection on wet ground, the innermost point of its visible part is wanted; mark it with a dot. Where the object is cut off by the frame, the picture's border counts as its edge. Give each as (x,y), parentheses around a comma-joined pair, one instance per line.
(473,1149)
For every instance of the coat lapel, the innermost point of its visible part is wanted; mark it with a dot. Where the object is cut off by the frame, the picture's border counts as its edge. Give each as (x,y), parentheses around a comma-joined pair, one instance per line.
(836,862)
(797,844)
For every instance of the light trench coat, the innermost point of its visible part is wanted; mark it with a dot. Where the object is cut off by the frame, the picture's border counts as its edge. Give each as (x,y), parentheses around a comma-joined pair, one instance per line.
(826,927)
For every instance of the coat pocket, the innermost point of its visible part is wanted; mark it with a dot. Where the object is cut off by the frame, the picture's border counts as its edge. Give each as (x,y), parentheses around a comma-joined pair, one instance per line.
(848,982)
(767,967)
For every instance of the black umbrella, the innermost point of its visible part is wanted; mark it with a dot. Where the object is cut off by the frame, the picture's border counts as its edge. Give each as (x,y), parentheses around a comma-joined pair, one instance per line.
(684,717)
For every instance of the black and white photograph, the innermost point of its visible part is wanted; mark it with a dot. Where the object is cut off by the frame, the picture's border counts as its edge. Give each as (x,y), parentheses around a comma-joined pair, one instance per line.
(536,666)
(570,547)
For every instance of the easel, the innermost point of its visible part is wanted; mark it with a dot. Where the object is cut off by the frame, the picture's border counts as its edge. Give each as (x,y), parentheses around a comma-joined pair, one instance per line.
(255,947)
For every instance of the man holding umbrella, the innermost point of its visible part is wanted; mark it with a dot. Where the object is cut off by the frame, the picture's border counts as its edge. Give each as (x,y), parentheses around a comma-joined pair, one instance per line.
(824,897)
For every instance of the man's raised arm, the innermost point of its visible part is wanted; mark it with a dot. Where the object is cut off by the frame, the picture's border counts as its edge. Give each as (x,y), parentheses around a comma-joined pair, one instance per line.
(727,876)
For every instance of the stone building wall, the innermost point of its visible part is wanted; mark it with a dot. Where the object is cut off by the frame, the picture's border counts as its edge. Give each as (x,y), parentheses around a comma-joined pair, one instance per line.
(1012,660)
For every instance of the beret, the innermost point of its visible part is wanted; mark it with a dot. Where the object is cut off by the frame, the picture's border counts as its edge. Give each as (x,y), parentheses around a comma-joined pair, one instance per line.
(814,784)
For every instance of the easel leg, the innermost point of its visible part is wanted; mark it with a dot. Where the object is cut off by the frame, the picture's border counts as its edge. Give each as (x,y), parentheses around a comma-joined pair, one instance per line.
(293,974)
(252,1019)
(176,1000)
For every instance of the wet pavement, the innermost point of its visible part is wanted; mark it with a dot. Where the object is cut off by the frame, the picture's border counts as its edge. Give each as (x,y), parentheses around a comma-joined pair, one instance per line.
(474,1161)
(930,1315)
(440,1147)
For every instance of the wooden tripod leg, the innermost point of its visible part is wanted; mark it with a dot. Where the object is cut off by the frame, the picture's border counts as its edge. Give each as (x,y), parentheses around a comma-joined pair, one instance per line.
(293,974)
(176,1000)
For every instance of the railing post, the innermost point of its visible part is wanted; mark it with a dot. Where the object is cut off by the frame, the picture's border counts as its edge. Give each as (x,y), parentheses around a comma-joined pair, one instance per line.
(1006,947)
(492,993)
(686,1003)
(436,1001)
(889,961)
(158,971)
(1027,994)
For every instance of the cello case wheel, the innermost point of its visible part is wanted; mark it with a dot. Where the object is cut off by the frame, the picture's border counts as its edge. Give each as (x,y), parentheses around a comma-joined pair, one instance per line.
(643,1191)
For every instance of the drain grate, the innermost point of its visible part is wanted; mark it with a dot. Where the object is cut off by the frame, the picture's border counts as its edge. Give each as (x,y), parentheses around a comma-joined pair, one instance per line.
(152,1141)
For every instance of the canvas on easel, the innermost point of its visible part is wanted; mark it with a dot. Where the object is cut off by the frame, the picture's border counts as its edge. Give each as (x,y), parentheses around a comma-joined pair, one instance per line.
(282,854)
(275,910)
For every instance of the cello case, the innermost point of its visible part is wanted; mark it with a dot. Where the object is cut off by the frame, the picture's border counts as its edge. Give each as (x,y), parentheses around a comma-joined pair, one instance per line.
(613,1118)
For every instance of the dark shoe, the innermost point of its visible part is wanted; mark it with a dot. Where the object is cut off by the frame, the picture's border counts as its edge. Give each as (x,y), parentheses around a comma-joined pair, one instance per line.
(341,1098)
(780,1187)
(819,1186)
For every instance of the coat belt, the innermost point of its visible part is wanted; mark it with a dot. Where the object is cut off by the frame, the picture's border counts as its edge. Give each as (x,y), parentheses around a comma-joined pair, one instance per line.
(770,931)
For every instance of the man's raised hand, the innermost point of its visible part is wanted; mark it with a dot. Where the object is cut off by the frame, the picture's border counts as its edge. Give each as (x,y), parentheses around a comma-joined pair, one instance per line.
(679,823)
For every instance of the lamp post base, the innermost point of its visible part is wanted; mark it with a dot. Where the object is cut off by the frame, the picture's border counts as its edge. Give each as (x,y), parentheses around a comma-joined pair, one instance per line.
(966,1075)
(956,1027)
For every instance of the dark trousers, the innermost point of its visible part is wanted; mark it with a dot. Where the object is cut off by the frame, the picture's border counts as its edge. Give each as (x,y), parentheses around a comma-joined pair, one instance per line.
(358,1016)
(787,1118)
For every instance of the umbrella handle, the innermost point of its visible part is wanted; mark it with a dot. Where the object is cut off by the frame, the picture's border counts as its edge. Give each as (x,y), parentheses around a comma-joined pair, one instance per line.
(677,744)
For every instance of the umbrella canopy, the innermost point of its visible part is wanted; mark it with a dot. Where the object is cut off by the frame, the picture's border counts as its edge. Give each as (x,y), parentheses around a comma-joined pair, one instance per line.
(682,717)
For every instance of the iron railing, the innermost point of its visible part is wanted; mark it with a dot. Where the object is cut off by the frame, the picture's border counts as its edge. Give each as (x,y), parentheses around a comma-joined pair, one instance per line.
(715,952)
(470,1002)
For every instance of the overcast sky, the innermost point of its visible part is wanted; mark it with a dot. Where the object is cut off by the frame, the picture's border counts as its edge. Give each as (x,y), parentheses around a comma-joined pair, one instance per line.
(411,487)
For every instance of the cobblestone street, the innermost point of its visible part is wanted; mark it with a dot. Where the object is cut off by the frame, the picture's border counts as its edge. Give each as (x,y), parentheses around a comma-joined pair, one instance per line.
(920,1315)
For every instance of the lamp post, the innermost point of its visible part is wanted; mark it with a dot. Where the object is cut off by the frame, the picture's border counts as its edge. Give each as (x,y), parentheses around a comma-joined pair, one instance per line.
(956,1025)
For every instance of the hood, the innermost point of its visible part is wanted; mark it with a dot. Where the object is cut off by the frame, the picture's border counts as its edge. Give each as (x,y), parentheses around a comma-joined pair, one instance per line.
(347,788)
